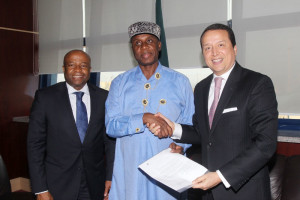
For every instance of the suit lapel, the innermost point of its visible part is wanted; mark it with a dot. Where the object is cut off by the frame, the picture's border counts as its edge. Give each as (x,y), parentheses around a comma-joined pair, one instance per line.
(205,100)
(226,95)
(67,104)
(93,101)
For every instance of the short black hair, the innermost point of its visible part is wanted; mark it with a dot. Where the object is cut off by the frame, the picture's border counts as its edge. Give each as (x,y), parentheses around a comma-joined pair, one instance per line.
(75,50)
(220,27)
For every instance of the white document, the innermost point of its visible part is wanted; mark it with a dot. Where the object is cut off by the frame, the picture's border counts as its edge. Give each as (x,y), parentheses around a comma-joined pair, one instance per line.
(173,170)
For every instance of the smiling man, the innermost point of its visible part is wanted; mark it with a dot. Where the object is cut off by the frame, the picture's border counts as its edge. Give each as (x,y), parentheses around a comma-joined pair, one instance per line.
(134,97)
(66,136)
(235,122)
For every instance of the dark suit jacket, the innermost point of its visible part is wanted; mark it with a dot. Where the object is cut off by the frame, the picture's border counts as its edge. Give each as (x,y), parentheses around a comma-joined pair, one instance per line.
(56,155)
(241,142)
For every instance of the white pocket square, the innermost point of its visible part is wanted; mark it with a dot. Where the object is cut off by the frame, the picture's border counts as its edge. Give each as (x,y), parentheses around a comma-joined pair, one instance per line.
(229,110)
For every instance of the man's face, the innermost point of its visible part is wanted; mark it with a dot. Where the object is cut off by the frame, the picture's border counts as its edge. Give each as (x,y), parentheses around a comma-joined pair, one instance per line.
(218,52)
(146,49)
(77,67)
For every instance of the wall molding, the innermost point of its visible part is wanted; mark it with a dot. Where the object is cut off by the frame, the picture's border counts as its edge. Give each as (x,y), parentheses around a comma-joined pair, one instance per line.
(18,30)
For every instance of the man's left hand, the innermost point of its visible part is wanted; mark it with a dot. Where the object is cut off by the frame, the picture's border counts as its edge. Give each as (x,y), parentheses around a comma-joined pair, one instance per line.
(207,181)
(176,148)
(107,188)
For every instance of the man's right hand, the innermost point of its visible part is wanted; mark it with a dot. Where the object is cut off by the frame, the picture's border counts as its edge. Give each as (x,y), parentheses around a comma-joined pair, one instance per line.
(162,129)
(169,122)
(44,196)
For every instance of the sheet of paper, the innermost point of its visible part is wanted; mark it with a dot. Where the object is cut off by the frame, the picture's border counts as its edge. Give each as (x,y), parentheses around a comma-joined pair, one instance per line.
(173,170)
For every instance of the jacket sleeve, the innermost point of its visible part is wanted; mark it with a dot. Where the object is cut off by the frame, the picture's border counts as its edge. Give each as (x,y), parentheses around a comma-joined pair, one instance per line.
(188,109)
(110,144)
(36,144)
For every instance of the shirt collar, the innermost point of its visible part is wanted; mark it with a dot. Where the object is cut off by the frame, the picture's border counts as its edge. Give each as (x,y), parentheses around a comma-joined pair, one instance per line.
(71,90)
(226,74)
(139,74)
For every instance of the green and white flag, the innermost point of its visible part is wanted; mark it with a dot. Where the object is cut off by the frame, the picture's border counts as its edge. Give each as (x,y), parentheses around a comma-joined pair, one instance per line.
(159,20)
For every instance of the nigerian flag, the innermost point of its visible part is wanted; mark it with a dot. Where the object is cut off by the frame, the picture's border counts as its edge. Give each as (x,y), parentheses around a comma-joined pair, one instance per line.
(159,20)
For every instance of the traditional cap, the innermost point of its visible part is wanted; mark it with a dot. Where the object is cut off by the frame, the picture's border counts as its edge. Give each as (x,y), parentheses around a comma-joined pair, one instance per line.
(144,27)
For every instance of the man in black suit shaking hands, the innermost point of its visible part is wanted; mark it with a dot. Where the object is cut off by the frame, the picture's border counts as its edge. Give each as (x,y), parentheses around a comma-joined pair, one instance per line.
(235,122)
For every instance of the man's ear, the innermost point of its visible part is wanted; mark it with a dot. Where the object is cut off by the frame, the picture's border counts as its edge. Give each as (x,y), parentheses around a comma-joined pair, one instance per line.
(63,67)
(235,50)
(159,45)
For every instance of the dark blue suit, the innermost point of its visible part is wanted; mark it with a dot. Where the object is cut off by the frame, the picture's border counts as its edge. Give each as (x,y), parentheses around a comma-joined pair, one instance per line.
(57,158)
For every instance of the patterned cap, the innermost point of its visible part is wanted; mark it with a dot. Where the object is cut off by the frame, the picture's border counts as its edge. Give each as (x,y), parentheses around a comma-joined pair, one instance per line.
(144,27)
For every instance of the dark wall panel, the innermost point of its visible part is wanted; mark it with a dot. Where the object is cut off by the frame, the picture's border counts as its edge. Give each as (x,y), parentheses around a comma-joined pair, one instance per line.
(18,56)
(288,149)
(17,14)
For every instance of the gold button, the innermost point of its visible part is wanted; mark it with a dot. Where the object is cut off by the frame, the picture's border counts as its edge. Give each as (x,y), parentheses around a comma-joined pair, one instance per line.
(157,76)
(137,130)
(145,102)
(163,101)
(147,86)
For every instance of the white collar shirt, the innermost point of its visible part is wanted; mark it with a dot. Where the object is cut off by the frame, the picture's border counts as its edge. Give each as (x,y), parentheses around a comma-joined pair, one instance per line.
(86,99)
(212,86)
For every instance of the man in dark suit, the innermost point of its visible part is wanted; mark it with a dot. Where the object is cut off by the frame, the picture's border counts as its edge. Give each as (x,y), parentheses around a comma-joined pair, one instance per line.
(235,122)
(66,137)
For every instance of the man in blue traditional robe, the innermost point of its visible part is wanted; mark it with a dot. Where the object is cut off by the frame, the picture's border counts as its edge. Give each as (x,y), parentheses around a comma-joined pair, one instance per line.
(134,97)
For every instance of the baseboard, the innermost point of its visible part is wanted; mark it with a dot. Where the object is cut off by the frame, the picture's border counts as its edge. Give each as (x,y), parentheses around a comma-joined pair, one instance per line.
(20,184)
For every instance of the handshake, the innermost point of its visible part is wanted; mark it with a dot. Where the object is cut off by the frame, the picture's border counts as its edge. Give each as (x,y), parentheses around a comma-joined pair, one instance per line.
(162,127)
(159,125)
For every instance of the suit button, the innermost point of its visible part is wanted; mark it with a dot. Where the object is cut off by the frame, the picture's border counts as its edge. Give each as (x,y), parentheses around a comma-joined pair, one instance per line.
(210,144)
(79,168)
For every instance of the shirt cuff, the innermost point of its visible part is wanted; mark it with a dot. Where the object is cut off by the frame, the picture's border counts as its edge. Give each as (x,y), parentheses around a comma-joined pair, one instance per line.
(225,182)
(41,192)
(177,133)
(137,125)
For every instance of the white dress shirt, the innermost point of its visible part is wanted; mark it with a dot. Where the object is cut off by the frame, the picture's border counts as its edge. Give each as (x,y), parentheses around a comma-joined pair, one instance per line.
(85,98)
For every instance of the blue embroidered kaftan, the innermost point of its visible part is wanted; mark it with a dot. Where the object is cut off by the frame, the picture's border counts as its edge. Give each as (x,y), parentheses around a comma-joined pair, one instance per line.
(169,93)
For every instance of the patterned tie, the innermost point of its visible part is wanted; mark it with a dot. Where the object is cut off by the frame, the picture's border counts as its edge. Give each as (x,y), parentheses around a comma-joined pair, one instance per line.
(81,116)
(218,82)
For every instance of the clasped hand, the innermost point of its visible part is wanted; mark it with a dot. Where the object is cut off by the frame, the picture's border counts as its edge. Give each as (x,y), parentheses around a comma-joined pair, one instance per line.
(159,125)
(207,181)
